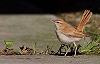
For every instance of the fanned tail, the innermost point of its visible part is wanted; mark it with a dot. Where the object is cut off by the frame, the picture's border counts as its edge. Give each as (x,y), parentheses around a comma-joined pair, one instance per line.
(85,18)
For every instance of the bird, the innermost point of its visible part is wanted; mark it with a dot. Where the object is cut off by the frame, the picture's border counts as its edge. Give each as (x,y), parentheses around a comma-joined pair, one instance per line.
(68,34)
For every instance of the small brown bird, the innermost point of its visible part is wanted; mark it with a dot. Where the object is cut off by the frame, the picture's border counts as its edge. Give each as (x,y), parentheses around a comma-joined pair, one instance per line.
(68,34)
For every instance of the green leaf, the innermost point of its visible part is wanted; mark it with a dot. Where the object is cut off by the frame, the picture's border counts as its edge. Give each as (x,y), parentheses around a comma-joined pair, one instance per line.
(91,45)
(9,43)
(88,47)
(97,40)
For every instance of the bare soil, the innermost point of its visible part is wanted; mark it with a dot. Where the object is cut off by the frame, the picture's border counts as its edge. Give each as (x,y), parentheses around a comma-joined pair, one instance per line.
(49,59)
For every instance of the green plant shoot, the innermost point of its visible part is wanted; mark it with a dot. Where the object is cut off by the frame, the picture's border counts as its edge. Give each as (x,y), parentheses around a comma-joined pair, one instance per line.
(9,43)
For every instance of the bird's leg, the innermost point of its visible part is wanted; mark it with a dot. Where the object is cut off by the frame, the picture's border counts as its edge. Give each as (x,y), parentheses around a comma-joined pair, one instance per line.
(68,50)
(75,48)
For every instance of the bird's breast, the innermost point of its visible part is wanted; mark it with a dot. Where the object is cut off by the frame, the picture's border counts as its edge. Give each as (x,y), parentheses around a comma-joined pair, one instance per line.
(67,39)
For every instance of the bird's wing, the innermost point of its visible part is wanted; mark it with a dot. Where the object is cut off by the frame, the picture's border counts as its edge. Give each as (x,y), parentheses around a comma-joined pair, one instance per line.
(78,34)
(74,33)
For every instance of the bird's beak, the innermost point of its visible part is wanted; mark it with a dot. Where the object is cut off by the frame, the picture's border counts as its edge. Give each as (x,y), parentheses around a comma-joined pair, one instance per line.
(52,21)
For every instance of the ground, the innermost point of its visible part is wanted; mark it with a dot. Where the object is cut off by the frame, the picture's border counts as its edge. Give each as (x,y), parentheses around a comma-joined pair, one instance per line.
(49,59)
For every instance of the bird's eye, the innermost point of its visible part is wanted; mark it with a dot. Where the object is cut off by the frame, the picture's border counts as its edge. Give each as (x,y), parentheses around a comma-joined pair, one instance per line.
(57,22)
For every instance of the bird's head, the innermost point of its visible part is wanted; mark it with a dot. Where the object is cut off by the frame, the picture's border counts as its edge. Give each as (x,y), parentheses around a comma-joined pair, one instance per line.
(59,23)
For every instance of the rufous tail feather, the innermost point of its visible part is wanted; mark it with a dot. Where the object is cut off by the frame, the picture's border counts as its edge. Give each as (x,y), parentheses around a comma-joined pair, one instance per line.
(85,18)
